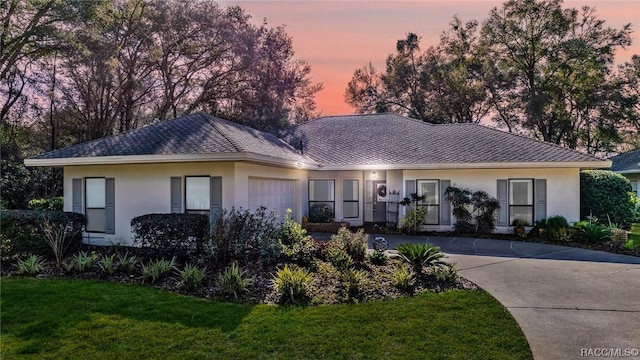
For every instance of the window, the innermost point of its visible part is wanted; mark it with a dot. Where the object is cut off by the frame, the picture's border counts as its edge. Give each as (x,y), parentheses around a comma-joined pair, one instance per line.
(321,200)
(95,204)
(197,195)
(350,207)
(521,200)
(635,187)
(430,189)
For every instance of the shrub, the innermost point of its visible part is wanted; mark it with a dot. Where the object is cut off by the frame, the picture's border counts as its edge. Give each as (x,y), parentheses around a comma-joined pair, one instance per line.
(82,262)
(292,232)
(339,257)
(155,270)
(355,244)
(246,236)
(302,252)
(446,274)
(413,220)
(292,284)
(22,232)
(170,233)
(191,277)
(483,211)
(594,232)
(233,280)
(32,265)
(378,258)
(127,263)
(484,208)
(605,193)
(108,263)
(58,236)
(352,280)
(420,255)
(46,204)
(554,228)
(403,278)
(320,213)
(460,202)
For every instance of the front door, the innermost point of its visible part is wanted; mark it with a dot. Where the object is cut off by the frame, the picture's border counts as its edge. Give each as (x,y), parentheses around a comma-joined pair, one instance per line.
(379,201)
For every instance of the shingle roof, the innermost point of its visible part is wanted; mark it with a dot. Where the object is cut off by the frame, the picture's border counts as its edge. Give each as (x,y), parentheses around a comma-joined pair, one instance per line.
(393,139)
(197,133)
(626,162)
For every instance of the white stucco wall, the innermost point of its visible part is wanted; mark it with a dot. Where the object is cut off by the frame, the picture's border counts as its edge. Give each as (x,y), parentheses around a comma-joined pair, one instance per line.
(563,186)
(145,188)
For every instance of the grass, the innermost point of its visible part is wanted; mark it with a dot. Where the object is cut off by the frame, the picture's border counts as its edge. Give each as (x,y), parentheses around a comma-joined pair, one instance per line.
(55,318)
(634,234)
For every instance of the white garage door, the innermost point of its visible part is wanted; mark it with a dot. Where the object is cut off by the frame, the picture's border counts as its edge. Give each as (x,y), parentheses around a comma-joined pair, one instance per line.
(274,194)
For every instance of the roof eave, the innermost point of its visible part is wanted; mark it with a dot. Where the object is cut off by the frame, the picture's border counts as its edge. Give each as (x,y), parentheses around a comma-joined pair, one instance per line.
(489,165)
(173,158)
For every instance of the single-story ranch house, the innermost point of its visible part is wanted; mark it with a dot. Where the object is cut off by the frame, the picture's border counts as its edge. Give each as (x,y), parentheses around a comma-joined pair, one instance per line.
(360,166)
(628,165)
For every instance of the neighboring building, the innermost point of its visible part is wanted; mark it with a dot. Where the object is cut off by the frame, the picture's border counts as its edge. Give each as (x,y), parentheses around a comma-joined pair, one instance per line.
(359,166)
(628,164)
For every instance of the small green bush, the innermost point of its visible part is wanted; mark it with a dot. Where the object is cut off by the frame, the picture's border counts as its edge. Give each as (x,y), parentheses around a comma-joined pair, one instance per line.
(292,232)
(82,262)
(46,204)
(446,274)
(605,193)
(245,236)
(127,263)
(413,220)
(292,284)
(378,258)
(32,265)
(554,228)
(419,256)
(338,257)
(155,270)
(108,264)
(484,210)
(320,213)
(302,252)
(233,281)
(191,277)
(352,280)
(403,278)
(22,232)
(355,244)
(168,234)
(594,232)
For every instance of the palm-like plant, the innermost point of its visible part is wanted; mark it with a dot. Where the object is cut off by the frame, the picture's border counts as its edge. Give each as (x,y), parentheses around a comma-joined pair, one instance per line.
(420,255)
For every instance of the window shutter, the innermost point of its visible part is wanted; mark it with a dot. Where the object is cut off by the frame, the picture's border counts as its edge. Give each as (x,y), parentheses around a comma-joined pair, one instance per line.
(76,195)
(503,199)
(176,195)
(445,206)
(540,199)
(216,198)
(409,188)
(110,206)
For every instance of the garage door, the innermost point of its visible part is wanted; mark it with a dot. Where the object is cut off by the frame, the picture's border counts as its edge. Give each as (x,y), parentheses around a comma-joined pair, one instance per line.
(274,194)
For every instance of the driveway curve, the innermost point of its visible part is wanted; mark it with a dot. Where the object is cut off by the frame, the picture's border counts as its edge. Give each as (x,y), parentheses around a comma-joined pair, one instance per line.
(570,303)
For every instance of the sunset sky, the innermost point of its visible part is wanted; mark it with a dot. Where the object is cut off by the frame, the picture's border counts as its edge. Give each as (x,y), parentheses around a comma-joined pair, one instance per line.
(337,37)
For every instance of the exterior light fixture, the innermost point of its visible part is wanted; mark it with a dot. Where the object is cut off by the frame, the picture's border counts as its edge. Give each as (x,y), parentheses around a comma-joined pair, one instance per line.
(299,165)
(374,175)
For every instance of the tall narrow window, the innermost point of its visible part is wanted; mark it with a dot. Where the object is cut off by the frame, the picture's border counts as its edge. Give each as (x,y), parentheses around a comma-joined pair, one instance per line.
(197,195)
(521,200)
(321,200)
(635,187)
(430,189)
(350,205)
(95,204)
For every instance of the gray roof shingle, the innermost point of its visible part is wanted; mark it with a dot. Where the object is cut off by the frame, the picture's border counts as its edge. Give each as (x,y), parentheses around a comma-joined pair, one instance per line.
(393,139)
(626,162)
(197,133)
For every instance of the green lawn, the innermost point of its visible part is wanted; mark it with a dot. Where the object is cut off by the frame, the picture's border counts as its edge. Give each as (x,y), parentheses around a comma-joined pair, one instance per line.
(634,233)
(45,318)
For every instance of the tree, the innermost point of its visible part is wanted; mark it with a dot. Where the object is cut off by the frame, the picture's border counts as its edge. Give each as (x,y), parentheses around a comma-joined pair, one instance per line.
(557,63)
(444,84)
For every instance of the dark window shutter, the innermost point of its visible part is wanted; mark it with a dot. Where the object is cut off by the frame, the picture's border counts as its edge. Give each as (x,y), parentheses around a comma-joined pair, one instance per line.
(445,206)
(503,199)
(216,198)
(540,201)
(110,206)
(409,188)
(76,195)
(176,195)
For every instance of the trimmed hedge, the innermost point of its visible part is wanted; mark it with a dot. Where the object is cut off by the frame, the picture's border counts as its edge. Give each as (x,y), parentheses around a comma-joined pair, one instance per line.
(605,193)
(171,233)
(22,234)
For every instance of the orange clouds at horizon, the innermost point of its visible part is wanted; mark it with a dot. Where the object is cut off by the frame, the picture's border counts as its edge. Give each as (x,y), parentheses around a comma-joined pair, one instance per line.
(338,37)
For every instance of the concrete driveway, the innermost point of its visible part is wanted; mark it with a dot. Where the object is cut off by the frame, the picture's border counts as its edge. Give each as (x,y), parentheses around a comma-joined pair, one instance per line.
(570,303)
